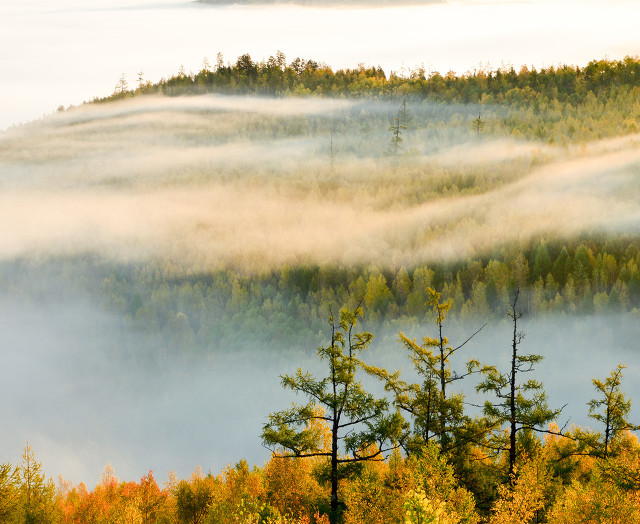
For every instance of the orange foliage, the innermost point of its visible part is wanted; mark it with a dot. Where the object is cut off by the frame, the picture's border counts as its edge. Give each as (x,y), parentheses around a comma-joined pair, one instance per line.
(291,487)
(113,501)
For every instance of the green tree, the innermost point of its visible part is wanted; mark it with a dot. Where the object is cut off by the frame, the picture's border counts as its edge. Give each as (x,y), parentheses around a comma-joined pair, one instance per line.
(37,494)
(562,266)
(612,409)
(514,408)
(478,123)
(358,422)
(541,262)
(435,412)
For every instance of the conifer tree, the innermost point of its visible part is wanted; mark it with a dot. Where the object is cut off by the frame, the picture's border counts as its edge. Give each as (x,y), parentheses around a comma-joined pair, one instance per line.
(478,123)
(358,422)
(612,409)
(399,125)
(9,492)
(437,414)
(37,494)
(520,405)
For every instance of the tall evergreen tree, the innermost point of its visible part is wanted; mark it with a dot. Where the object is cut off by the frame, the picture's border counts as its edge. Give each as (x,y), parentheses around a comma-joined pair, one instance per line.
(400,124)
(358,423)
(436,412)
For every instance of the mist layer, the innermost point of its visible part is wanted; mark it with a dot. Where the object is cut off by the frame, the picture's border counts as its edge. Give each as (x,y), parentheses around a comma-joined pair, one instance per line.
(258,183)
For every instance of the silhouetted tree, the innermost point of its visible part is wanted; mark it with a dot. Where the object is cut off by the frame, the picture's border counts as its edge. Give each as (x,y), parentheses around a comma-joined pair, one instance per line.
(514,408)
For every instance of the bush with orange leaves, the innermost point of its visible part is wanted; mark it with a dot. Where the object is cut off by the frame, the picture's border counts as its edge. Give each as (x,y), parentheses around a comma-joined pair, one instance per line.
(114,501)
(292,488)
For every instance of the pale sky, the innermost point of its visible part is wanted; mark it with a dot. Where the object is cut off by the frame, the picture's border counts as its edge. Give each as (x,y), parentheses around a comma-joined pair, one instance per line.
(66,51)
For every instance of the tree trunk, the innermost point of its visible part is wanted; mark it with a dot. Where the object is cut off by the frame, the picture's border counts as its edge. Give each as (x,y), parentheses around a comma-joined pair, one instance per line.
(607,433)
(334,474)
(512,394)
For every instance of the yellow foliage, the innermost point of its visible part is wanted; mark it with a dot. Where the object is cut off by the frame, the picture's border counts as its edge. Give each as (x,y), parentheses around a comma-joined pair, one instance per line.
(291,487)
(380,494)
(599,501)
(419,509)
(521,501)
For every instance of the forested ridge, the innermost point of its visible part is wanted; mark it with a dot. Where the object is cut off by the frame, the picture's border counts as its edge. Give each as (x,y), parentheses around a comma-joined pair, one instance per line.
(559,103)
(403,141)
(188,310)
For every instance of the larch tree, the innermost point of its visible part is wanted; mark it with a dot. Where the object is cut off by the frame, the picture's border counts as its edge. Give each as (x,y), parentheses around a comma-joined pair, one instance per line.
(478,123)
(612,409)
(9,492)
(37,494)
(520,405)
(436,412)
(122,86)
(400,124)
(358,423)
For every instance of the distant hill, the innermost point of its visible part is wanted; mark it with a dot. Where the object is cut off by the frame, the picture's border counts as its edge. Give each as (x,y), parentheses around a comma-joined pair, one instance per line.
(324,3)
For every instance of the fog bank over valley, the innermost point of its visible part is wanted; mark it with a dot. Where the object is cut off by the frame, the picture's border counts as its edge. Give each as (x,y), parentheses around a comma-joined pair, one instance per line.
(253,183)
(85,389)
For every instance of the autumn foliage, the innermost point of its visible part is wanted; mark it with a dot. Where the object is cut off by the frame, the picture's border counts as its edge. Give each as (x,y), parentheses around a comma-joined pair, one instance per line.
(555,481)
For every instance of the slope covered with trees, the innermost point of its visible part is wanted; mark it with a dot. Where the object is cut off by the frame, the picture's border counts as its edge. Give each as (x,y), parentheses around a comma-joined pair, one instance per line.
(557,104)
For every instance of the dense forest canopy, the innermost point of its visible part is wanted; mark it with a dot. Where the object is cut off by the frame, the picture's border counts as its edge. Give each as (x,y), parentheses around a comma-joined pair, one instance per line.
(599,95)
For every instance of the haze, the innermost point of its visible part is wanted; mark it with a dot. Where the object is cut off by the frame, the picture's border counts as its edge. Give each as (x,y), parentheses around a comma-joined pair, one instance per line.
(69,51)
(213,182)
(87,391)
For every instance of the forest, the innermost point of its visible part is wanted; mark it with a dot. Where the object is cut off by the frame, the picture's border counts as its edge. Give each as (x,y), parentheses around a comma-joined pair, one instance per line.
(287,207)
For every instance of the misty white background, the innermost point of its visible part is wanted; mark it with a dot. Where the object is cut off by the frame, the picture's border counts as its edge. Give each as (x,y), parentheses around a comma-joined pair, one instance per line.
(64,52)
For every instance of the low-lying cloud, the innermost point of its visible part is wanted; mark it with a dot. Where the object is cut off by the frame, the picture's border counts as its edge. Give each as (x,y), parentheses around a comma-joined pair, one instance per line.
(248,182)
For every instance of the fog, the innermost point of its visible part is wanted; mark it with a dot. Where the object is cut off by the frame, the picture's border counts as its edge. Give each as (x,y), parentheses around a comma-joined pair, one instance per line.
(575,350)
(213,182)
(86,390)
(86,393)
(216,181)
(71,51)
